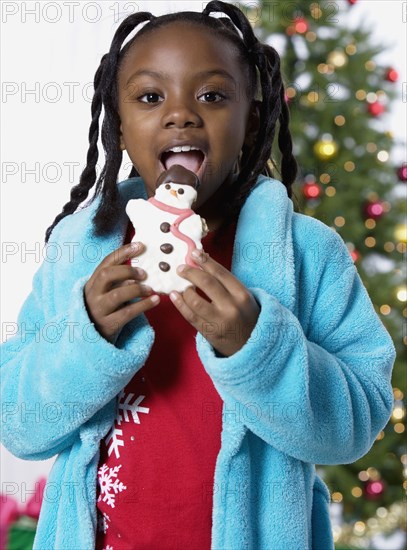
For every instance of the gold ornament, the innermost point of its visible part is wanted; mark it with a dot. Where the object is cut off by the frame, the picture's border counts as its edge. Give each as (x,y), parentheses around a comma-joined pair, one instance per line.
(325,149)
(400,233)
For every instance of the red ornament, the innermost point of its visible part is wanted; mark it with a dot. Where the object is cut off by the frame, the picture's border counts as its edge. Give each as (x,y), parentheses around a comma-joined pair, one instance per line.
(300,26)
(374,489)
(374,209)
(376,108)
(392,75)
(355,255)
(402,172)
(351,2)
(311,190)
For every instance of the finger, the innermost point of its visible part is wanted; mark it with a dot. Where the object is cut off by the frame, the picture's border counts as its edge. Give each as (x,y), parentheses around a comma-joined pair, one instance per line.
(198,304)
(116,298)
(212,287)
(125,314)
(121,255)
(209,265)
(189,315)
(109,276)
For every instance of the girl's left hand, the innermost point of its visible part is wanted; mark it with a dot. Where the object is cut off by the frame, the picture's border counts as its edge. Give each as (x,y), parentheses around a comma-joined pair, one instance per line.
(230,317)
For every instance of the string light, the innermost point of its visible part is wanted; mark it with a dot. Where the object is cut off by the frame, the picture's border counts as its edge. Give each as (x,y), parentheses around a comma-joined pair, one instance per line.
(349,166)
(398,394)
(356,492)
(383,156)
(370,242)
(371,147)
(389,246)
(401,294)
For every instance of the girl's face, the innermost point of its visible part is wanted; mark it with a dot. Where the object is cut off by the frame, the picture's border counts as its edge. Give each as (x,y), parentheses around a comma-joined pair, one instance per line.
(181,86)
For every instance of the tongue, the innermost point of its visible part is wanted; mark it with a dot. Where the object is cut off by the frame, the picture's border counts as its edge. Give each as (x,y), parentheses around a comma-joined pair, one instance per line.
(191,160)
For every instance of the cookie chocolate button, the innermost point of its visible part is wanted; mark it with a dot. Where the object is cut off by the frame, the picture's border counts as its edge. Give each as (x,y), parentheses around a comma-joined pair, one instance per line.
(164,266)
(165,227)
(167,248)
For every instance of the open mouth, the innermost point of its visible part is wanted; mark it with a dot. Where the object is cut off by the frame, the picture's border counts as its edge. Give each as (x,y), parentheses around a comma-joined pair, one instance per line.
(190,158)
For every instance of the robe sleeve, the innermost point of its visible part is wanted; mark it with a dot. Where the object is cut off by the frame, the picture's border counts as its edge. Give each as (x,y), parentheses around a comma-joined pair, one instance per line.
(320,395)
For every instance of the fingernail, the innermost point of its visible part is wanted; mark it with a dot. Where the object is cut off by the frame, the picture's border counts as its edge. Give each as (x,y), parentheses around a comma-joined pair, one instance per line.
(155,299)
(197,254)
(173,296)
(135,247)
(181,268)
(139,272)
(146,288)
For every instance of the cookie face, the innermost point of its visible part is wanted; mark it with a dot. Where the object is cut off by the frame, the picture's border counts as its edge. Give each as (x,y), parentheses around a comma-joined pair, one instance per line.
(170,231)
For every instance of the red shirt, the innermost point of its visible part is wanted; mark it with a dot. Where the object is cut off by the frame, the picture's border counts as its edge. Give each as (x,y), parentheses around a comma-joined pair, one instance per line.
(157,463)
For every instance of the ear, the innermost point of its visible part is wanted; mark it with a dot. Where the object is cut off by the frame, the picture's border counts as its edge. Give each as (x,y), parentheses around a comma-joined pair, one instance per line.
(122,144)
(253,124)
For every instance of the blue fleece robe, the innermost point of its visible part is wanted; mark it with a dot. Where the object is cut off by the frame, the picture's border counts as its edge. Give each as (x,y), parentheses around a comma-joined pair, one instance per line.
(311,385)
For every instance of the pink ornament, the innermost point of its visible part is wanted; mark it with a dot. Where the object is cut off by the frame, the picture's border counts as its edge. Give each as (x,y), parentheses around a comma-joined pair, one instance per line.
(374,210)
(402,172)
(374,489)
(9,513)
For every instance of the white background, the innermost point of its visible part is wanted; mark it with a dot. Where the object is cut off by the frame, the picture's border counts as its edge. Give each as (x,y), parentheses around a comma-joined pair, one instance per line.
(53,49)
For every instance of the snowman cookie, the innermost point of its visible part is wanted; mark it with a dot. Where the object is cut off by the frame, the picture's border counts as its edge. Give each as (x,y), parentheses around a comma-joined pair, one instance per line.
(169,229)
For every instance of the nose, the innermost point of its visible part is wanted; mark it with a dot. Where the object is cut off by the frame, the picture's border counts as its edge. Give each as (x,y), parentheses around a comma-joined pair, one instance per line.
(180,115)
(173,192)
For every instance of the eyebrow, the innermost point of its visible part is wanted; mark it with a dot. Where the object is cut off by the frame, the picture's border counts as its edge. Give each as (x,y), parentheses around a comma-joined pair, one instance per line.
(165,76)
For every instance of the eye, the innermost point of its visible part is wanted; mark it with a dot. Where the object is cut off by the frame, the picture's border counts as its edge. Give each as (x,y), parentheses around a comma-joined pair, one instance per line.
(212,97)
(150,97)
(180,191)
(168,186)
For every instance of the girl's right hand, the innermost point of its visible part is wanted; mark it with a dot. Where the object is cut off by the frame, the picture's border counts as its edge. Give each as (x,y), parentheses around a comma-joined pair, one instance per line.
(111,288)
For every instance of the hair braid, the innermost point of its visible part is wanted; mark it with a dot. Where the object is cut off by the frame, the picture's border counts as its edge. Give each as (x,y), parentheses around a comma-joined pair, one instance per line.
(272,108)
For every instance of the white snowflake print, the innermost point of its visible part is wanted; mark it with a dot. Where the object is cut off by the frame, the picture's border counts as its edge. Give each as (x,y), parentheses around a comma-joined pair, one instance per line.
(109,484)
(124,407)
(113,441)
(108,547)
(103,526)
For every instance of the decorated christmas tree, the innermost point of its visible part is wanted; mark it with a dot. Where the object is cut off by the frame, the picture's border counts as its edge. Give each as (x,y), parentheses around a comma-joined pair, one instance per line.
(337,94)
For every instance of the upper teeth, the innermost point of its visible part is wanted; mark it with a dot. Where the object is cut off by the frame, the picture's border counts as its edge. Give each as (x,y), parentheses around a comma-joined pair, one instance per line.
(182,149)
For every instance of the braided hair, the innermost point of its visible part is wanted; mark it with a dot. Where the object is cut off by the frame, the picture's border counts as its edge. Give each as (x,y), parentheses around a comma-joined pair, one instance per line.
(259,59)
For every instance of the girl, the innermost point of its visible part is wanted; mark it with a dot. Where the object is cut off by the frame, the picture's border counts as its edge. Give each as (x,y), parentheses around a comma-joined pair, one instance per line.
(210,444)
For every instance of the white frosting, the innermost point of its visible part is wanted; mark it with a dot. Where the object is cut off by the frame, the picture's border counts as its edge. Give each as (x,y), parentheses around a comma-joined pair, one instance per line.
(147,219)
